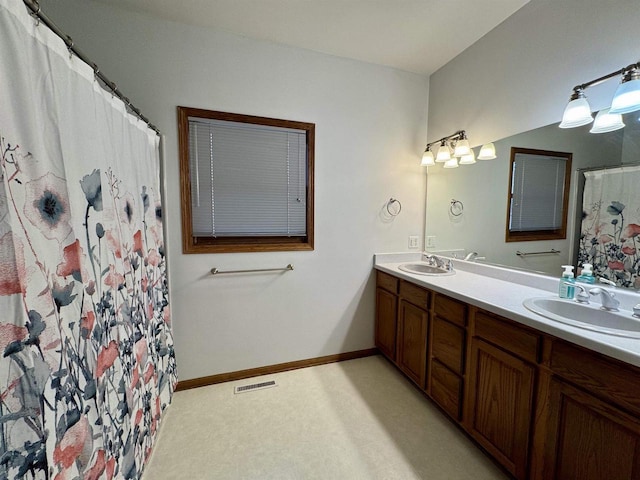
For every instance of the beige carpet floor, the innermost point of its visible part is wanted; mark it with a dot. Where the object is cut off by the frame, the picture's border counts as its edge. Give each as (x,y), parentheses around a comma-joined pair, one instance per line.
(352,420)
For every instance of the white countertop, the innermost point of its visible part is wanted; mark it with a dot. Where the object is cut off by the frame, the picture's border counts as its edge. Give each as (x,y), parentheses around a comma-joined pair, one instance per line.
(502,291)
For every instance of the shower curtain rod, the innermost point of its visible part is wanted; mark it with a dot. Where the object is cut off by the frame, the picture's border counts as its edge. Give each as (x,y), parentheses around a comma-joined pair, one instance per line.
(607,167)
(37,13)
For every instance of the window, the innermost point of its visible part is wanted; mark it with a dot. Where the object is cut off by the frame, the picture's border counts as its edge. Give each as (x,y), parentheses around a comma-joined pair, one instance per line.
(538,195)
(246,182)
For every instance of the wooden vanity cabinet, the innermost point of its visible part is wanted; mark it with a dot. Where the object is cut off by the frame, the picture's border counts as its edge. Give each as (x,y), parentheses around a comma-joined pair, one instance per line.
(591,427)
(386,314)
(500,390)
(544,408)
(413,321)
(402,320)
(589,438)
(447,362)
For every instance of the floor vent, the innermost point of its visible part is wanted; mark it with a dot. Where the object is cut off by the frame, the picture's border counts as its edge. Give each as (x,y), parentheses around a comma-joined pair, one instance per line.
(255,386)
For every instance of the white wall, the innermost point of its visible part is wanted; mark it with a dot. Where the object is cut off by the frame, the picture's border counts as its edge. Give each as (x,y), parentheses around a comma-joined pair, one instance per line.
(370,130)
(520,75)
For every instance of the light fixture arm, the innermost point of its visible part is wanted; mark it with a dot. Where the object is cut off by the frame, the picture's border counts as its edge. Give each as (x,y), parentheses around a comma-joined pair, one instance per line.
(459,135)
(599,80)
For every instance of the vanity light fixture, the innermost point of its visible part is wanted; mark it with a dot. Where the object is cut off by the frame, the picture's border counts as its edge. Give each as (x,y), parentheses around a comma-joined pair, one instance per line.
(427,157)
(468,159)
(487,152)
(577,112)
(607,122)
(625,100)
(461,146)
(627,96)
(451,163)
(454,150)
(444,153)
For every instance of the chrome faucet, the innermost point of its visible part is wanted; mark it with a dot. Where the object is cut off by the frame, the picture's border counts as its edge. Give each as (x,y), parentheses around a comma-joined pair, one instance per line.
(433,260)
(438,262)
(609,302)
(473,256)
(607,281)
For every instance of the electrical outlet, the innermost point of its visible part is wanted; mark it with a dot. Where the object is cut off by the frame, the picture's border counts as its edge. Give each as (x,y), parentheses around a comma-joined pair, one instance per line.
(431,242)
(413,241)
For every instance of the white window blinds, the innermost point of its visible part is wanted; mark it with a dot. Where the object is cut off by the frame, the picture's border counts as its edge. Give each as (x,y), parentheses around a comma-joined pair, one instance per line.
(538,188)
(247,180)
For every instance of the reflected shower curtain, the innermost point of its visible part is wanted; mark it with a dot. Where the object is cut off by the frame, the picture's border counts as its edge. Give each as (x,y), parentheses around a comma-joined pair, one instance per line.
(86,352)
(610,234)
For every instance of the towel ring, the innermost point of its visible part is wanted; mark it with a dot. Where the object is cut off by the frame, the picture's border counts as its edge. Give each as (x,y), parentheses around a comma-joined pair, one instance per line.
(394,213)
(456,208)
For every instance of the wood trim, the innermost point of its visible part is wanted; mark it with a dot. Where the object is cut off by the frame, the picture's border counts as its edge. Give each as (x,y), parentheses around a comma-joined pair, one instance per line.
(269,369)
(185,183)
(194,244)
(557,234)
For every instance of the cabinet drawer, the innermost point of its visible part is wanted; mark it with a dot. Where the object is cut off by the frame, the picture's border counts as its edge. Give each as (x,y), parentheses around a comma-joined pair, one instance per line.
(446,389)
(448,344)
(387,282)
(414,294)
(605,377)
(450,310)
(509,336)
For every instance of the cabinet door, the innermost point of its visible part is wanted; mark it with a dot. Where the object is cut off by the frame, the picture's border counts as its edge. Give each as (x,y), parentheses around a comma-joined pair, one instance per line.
(589,439)
(500,404)
(386,306)
(412,341)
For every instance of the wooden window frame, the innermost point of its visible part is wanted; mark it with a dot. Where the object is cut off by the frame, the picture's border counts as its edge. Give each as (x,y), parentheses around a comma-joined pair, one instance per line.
(203,244)
(535,235)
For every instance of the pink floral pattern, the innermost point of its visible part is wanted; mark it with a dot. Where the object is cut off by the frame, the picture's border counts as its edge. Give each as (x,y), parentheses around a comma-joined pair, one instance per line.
(87,362)
(610,244)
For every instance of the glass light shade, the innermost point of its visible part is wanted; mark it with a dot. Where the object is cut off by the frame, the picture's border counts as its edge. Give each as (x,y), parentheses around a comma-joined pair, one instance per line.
(577,113)
(451,163)
(462,148)
(427,159)
(468,159)
(444,154)
(627,97)
(487,152)
(607,122)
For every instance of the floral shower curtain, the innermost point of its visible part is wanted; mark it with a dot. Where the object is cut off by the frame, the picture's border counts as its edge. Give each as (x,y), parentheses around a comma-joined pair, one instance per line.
(86,352)
(610,234)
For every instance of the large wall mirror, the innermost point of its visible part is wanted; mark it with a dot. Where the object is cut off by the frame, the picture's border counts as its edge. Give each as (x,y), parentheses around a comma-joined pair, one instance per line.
(483,188)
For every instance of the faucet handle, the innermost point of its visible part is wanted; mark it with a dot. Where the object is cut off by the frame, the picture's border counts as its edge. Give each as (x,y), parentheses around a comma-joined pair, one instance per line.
(582,296)
(609,302)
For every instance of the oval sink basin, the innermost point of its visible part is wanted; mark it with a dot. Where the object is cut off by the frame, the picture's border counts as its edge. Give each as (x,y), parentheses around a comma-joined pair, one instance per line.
(589,317)
(424,269)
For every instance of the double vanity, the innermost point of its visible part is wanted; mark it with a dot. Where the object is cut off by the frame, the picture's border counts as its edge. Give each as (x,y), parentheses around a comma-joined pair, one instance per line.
(549,388)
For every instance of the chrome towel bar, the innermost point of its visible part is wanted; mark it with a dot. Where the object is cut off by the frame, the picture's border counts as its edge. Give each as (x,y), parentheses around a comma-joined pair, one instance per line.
(553,251)
(215,271)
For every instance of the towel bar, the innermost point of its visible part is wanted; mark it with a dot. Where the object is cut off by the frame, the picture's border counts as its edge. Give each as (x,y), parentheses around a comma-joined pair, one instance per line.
(215,271)
(553,251)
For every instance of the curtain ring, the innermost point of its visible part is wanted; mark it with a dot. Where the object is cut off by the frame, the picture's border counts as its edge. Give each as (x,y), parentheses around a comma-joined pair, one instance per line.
(391,202)
(36,15)
(456,208)
(69,42)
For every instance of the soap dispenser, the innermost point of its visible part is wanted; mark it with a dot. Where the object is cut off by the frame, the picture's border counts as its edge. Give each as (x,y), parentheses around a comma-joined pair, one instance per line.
(586,276)
(565,290)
